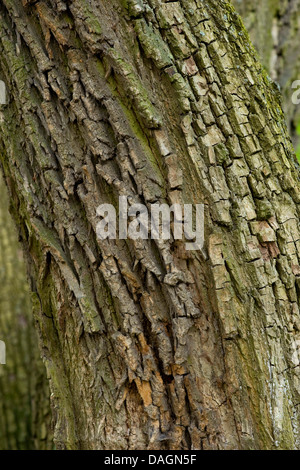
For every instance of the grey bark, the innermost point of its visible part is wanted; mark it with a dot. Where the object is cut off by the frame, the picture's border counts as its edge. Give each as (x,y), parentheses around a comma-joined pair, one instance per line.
(148,345)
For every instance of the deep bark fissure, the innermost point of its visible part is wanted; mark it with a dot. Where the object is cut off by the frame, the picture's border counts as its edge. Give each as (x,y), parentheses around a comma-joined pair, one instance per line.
(25,421)
(275,31)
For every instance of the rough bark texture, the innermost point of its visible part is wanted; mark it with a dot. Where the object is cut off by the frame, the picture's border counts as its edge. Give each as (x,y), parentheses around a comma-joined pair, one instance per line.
(24,394)
(274,28)
(148,345)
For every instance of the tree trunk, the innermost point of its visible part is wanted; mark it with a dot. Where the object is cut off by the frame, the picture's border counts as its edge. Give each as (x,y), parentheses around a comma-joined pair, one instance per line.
(275,31)
(24,395)
(148,345)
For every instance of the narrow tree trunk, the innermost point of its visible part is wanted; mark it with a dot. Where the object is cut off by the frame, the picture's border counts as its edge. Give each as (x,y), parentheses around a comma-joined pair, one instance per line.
(275,31)
(24,395)
(148,345)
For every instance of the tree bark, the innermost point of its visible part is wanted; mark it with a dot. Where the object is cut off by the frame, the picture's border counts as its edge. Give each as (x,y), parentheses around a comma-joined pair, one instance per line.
(148,345)
(24,393)
(274,28)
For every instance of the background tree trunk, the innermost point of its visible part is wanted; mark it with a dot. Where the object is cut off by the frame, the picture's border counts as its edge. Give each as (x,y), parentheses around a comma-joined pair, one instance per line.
(148,345)
(24,394)
(275,31)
